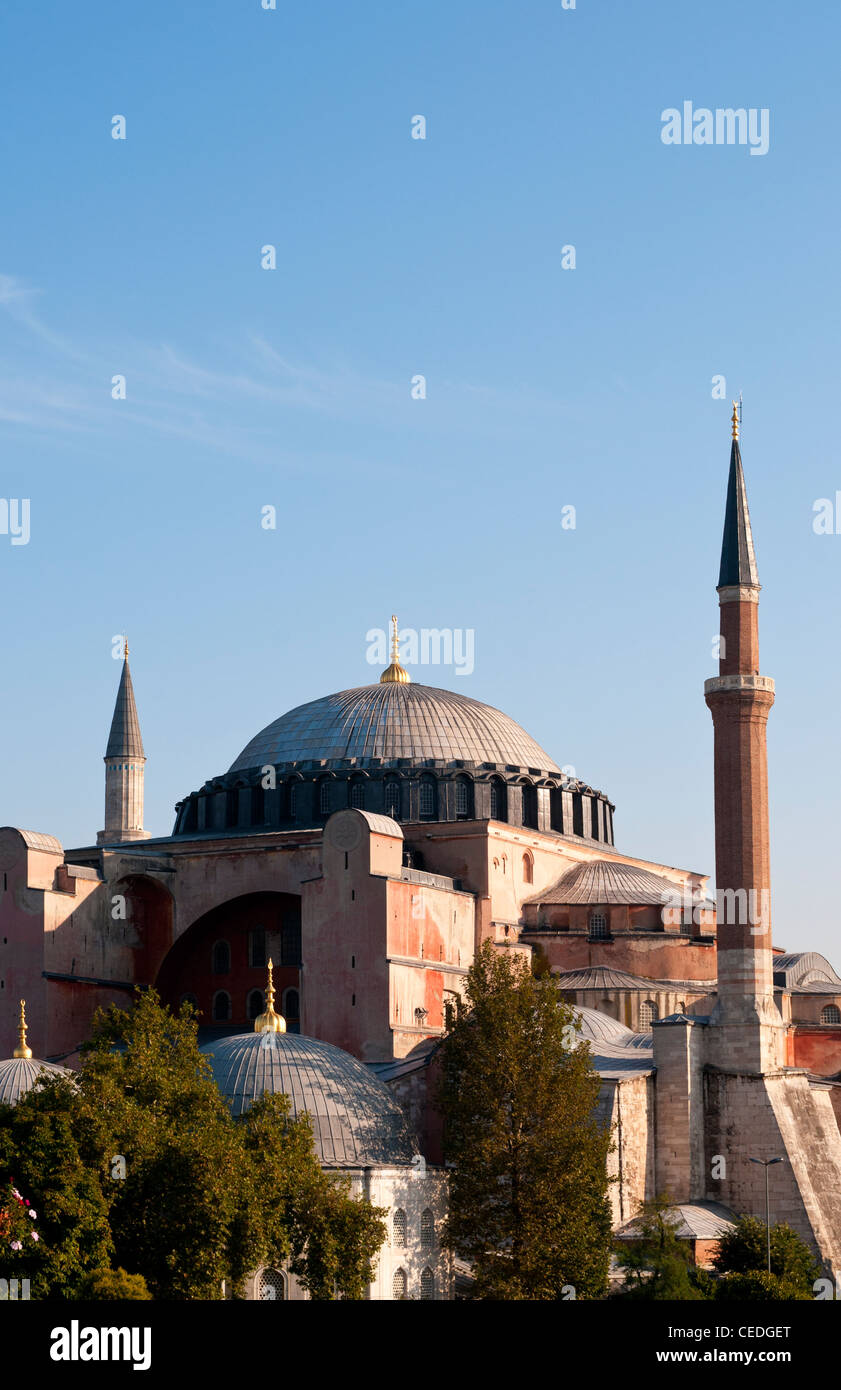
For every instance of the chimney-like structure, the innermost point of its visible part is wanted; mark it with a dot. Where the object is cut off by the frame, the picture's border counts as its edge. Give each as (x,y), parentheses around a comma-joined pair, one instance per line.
(740,700)
(124,769)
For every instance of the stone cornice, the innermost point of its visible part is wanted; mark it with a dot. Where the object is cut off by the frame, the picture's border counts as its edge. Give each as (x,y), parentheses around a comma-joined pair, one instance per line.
(737,682)
(738,593)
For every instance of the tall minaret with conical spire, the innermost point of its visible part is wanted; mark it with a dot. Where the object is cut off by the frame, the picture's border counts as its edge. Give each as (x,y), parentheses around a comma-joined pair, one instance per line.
(746,1020)
(124,769)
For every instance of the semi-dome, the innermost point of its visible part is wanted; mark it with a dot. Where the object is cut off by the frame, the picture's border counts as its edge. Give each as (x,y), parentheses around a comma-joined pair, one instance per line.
(394,721)
(356,1122)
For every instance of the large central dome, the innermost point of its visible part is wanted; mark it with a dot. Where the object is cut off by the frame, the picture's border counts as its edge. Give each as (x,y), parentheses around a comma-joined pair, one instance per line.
(394,721)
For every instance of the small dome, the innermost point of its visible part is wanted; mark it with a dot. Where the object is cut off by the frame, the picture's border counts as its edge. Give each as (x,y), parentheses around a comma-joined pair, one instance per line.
(600,1028)
(19,1074)
(606,881)
(355,1120)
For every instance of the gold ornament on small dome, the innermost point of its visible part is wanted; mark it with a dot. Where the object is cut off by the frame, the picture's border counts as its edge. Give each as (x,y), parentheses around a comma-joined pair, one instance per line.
(270,1022)
(395,674)
(22,1050)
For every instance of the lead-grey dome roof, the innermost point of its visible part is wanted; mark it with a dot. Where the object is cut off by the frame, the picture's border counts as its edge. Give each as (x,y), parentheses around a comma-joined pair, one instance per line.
(19,1074)
(355,1120)
(394,721)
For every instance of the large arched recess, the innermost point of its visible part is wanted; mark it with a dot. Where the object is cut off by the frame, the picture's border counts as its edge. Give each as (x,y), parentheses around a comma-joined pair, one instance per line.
(147,922)
(192,965)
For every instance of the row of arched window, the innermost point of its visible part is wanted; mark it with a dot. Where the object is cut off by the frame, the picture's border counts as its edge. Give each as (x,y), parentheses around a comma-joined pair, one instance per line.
(290,948)
(222,1006)
(400,1228)
(400,1284)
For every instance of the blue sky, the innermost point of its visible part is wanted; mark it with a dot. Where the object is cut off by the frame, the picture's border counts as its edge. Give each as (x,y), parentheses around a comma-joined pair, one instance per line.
(546,387)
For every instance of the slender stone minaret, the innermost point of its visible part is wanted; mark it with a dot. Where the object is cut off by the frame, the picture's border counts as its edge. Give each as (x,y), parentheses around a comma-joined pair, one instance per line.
(747,1024)
(124,765)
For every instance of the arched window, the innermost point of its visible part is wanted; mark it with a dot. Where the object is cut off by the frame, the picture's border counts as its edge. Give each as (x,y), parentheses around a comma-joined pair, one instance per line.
(681,1008)
(530,806)
(221,958)
(271,1285)
(499,809)
(255,1004)
(427,1285)
(598,926)
(290,1007)
(649,1013)
(209,811)
(293,800)
(398,1227)
(427,799)
(831,1014)
(257,946)
(392,800)
(427,1228)
(258,804)
(324,798)
(221,1006)
(463,799)
(399,1284)
(189,999)
(232,808)
(357,795)
(528,868)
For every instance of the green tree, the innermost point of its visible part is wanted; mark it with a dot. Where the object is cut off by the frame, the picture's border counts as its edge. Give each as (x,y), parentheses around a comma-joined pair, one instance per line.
(528,1187)
(116,1284)
(743,1250)
(658,1264)
(760,1286)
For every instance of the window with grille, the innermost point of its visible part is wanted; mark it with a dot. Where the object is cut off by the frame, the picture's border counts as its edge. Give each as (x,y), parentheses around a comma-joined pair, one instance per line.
(598,925)
(221,1006)
(392,800)
(427,798)
(257,946)
(291,1007)
(293,800)
(427,1228)
(208,812)
(497,801)
(290,943)
(530,807)
(398,1227)
(399,1284)
(357,795)
(255,1003)
(427,1284)
(462,799)
(831,1014)
(271,1285)
(221,958)
(324,798)
(649,1013)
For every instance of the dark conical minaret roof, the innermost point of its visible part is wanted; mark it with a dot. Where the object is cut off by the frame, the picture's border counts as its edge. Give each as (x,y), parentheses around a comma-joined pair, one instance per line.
(124,740)
(738,560)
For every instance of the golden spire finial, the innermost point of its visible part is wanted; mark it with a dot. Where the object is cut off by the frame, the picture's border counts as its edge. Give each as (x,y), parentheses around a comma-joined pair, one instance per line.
(125,649)
(395,674)
(22,1050)
(270,1022)
(734,420)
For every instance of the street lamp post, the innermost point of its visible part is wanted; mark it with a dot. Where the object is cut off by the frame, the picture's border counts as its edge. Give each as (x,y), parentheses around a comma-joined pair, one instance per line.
(766,1164)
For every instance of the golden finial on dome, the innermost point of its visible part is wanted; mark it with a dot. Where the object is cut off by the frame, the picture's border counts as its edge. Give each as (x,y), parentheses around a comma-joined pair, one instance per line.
(395,674)
(270,1022)
(22,1050)
(734,420)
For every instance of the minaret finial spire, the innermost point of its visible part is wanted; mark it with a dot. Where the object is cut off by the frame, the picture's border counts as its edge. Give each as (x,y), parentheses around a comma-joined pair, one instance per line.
(395,674)
(22,1050)
(734,421)
(270,1022)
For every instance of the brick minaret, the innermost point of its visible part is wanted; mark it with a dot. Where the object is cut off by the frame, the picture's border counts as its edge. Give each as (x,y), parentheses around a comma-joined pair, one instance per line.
(124,769)
(740,699)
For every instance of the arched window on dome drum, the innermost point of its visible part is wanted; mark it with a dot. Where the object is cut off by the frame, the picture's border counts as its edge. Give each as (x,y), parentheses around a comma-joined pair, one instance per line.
(649,1013)
(528,868)
(398,1227)
(399,1284)
(464,799)
(256,1004)
(292,802)
(271,1285)
(357,795)
(392,800)
(221,958)
(499,808)
(221,1006)
(530,806)
(598,926)
(324,798)
(232,808)
(258,805)
(209,811)
(290,1008)
(428,799)
(831,1014)
(427,1229)
(427,1285)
